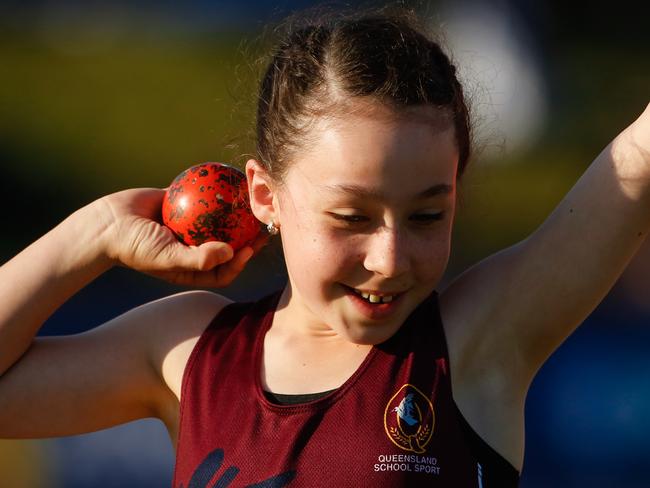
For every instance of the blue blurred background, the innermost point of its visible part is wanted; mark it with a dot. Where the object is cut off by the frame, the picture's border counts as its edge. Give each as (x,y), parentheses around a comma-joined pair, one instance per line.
(96,97)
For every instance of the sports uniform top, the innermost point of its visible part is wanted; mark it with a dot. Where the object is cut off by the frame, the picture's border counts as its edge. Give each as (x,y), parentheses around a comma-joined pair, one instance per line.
(393,423)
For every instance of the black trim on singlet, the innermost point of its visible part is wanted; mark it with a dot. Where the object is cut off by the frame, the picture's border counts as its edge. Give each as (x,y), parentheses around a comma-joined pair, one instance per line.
(496,470)
(283,399)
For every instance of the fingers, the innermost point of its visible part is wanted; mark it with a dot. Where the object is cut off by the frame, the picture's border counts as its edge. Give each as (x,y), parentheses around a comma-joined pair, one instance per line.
(213,272)
(205,257)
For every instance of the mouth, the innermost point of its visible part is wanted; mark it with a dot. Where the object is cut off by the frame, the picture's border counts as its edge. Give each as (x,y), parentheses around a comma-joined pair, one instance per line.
(375,304)
(374,296)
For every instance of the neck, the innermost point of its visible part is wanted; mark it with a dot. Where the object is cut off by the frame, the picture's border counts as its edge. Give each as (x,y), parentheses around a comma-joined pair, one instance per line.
(304,355)
(293,322)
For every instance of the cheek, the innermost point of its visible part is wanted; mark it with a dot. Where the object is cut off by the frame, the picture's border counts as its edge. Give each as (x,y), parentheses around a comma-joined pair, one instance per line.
(310,251)
(431,255)
(332,250)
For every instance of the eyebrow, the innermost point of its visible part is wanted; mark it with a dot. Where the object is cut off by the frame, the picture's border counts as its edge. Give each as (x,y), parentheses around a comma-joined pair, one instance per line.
(370,193)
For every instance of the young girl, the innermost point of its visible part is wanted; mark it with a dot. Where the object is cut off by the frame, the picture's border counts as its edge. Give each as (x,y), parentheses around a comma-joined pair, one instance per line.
(358,372)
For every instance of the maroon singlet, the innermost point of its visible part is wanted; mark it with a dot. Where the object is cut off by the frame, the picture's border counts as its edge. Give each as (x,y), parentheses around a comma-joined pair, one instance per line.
(393,423)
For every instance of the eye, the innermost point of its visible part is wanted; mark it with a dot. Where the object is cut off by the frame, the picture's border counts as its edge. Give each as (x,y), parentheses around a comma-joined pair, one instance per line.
(350,219)
(428,217)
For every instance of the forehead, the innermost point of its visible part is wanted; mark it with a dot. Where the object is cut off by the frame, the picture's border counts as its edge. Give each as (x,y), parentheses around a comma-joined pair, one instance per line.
(381,156)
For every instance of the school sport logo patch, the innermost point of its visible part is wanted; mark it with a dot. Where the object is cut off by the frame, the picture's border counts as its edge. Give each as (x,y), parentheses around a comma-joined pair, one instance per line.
(409,419)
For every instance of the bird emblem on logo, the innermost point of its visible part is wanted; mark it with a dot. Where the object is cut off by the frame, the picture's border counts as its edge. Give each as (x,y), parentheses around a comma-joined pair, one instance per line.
(406,410)
(409,419)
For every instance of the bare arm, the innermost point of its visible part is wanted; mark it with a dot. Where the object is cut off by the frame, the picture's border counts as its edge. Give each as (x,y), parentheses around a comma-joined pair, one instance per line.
(121,371)
(37,281)
(108,372)
(528,298)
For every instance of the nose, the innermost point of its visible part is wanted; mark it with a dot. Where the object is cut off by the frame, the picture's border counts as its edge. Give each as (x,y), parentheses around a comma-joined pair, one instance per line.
(387,252)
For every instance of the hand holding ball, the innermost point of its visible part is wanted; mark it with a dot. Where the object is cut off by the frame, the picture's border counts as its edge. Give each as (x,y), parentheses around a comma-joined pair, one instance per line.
(209,202)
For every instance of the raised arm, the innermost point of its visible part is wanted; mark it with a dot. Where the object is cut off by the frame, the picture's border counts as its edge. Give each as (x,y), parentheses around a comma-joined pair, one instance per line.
(112,365)
(525,300)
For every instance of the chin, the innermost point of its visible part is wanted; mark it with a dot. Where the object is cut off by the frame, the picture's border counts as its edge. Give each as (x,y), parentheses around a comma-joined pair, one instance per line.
(371,335)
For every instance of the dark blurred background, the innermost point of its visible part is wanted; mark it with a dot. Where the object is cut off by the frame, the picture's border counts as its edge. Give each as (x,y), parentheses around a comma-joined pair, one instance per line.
(96,97)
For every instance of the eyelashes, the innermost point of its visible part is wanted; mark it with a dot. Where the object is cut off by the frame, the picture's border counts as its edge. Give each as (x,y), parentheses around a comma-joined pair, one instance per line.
(351,219)
(429,217)
(421,218)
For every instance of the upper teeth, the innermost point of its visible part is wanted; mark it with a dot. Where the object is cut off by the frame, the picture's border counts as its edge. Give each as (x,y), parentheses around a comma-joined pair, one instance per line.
(375,298)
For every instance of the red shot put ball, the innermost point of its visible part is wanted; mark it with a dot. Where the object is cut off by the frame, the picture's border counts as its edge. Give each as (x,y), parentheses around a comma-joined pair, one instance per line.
(209,202)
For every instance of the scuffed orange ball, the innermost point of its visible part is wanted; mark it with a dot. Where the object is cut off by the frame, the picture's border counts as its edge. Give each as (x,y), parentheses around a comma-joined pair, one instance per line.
(209,202)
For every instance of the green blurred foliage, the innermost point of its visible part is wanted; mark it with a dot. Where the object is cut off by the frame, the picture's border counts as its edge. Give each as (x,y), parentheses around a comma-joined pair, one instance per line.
(75,125)
(134,114)
(500,204)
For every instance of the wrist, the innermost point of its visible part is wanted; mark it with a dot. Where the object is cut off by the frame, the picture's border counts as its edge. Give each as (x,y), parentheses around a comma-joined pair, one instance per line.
(86,233)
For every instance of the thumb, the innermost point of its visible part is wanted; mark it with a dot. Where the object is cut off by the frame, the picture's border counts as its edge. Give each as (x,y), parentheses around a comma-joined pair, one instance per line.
(200,258)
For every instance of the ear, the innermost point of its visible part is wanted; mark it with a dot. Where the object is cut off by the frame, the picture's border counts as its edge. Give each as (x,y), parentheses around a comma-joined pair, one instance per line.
(262,192)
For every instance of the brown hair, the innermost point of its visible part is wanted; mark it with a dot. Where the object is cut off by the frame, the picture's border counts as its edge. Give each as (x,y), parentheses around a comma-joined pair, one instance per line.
(383,55)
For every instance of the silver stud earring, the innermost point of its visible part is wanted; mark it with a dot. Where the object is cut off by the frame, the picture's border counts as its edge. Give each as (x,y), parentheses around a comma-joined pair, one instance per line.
(272,229)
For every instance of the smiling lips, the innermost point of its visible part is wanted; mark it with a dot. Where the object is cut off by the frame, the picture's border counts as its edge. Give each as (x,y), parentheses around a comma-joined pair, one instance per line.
(377,305)
(372,298)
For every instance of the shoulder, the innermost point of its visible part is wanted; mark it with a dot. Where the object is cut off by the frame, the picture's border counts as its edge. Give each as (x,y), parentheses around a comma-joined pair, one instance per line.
(174,325)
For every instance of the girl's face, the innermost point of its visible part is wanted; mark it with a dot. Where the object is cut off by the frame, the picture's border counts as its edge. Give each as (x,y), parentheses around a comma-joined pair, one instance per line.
(369,207)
